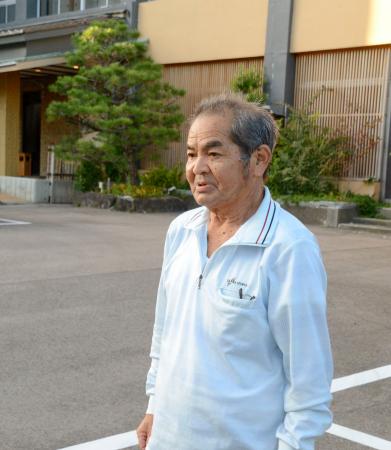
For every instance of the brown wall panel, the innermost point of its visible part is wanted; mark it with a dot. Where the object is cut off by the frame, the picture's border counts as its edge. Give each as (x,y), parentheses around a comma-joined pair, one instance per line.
(348,89)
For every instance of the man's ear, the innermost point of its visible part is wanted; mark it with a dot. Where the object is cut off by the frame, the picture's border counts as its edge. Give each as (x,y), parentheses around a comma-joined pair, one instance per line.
(263,157)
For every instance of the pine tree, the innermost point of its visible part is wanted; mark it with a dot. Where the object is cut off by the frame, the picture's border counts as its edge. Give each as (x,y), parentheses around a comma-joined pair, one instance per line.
(251,84)
(117,101)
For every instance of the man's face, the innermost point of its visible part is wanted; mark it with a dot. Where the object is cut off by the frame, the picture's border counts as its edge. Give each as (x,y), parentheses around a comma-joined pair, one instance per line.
(214,168)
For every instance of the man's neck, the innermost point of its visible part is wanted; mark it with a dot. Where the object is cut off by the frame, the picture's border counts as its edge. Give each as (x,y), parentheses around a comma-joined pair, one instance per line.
(238,213)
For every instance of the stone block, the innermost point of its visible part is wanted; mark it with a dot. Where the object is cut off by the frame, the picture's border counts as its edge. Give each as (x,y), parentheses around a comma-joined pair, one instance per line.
(94,200)
(329,214)
(125,203)
(159,204)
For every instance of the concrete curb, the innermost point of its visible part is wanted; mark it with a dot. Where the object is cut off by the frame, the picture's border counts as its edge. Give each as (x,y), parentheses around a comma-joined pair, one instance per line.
(385,231)
(329,214)
(130,204)
(326,213)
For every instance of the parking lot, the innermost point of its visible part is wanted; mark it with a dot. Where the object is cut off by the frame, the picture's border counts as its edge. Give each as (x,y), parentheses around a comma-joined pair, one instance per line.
(77,294)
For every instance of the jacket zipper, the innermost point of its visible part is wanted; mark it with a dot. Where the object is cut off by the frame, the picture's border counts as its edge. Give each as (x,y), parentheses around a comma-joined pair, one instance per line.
(199,281)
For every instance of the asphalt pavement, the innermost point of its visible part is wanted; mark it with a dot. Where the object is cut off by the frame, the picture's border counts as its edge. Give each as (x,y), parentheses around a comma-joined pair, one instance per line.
(77,295)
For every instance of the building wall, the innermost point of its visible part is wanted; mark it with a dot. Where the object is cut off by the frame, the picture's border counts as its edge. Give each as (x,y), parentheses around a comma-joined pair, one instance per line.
(342,47)
(10,136)
(348,64)
(337,24)
(203,30)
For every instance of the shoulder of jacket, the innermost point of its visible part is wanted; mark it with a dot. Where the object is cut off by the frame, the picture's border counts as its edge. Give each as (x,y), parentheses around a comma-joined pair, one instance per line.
(290,230)
(184,219)
(177,231)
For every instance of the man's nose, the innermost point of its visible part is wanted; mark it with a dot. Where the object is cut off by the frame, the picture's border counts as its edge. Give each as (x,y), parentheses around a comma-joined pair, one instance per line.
(201,165)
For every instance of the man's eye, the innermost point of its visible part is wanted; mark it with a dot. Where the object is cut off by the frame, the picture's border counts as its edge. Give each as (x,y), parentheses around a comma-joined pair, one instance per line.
(190,155)
(214,154)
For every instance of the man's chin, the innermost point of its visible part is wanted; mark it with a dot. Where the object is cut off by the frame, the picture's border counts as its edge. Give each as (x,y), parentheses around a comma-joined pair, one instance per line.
(201,199)
(206,200)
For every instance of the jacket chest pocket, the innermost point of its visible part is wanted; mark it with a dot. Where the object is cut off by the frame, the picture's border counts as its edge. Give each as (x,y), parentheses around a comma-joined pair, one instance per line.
(238,297)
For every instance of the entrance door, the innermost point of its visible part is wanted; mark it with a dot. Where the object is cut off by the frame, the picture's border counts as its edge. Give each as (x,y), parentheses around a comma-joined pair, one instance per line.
(32,129)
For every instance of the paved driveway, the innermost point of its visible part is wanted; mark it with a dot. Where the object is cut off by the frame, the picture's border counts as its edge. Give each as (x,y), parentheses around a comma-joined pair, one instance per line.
(77,293)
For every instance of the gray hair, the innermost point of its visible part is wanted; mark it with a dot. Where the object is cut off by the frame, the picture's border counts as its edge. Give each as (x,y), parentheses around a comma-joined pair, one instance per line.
(252,125)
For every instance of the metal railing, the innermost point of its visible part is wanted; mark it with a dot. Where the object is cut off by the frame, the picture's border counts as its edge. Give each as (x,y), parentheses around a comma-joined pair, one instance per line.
(58,169)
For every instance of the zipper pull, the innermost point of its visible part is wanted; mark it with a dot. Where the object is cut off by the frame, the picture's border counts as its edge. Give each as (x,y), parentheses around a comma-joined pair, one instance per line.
(199,281)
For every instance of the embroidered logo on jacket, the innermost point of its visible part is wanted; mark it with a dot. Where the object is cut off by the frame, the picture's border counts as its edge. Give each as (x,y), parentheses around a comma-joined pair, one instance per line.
(235,283)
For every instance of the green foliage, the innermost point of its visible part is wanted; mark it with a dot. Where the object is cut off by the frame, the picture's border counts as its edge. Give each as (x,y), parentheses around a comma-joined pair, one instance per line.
(251,84)
(88,174)
(366,205)
(298,198)
(117,101)
(305,156)
(136,191)
(165,178)
(154,183)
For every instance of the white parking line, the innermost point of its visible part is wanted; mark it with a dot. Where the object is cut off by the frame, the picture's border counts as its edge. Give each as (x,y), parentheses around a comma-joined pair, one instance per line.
(359,437)
(358,379)
(5,222)
(125,440)
(116,442)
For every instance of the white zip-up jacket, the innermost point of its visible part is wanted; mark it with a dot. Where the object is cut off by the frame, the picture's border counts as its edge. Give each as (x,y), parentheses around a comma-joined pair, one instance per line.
(240,351)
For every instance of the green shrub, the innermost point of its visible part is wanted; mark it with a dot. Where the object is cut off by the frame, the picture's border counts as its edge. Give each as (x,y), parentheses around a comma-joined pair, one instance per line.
(136,191)
(305,156)
(366,205)
(165,178)
(87,176)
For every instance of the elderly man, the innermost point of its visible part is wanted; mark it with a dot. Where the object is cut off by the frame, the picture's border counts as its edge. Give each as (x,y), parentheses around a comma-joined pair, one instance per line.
(240,351)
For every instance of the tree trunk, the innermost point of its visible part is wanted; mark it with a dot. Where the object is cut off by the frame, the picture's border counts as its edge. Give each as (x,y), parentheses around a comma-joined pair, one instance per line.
(133,174)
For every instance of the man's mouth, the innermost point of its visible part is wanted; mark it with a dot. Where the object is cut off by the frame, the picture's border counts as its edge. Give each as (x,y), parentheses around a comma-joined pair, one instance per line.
(202,186)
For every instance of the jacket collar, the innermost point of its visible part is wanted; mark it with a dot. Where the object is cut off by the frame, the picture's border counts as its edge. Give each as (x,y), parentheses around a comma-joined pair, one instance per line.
(257,230)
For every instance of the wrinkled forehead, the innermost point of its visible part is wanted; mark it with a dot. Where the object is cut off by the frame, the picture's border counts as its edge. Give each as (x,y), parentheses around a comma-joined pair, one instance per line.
(211,125)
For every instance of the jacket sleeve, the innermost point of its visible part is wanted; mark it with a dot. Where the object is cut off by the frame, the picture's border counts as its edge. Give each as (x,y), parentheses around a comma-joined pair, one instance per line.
(297,317)
(160,311)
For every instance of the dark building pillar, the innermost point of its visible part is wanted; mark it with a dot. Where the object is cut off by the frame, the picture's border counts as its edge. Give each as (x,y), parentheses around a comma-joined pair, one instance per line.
(279,63)
(132,18)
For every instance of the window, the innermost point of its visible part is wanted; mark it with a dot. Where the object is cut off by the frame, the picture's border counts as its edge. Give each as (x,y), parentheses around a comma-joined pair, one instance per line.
(7,11)
(101,3)
(95,3)
(39,8)
(69,5)
(32,9)
(48,7)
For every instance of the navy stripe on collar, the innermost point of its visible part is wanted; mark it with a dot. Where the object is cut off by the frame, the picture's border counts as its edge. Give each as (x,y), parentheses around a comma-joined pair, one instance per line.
(264,223)
(270,224)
